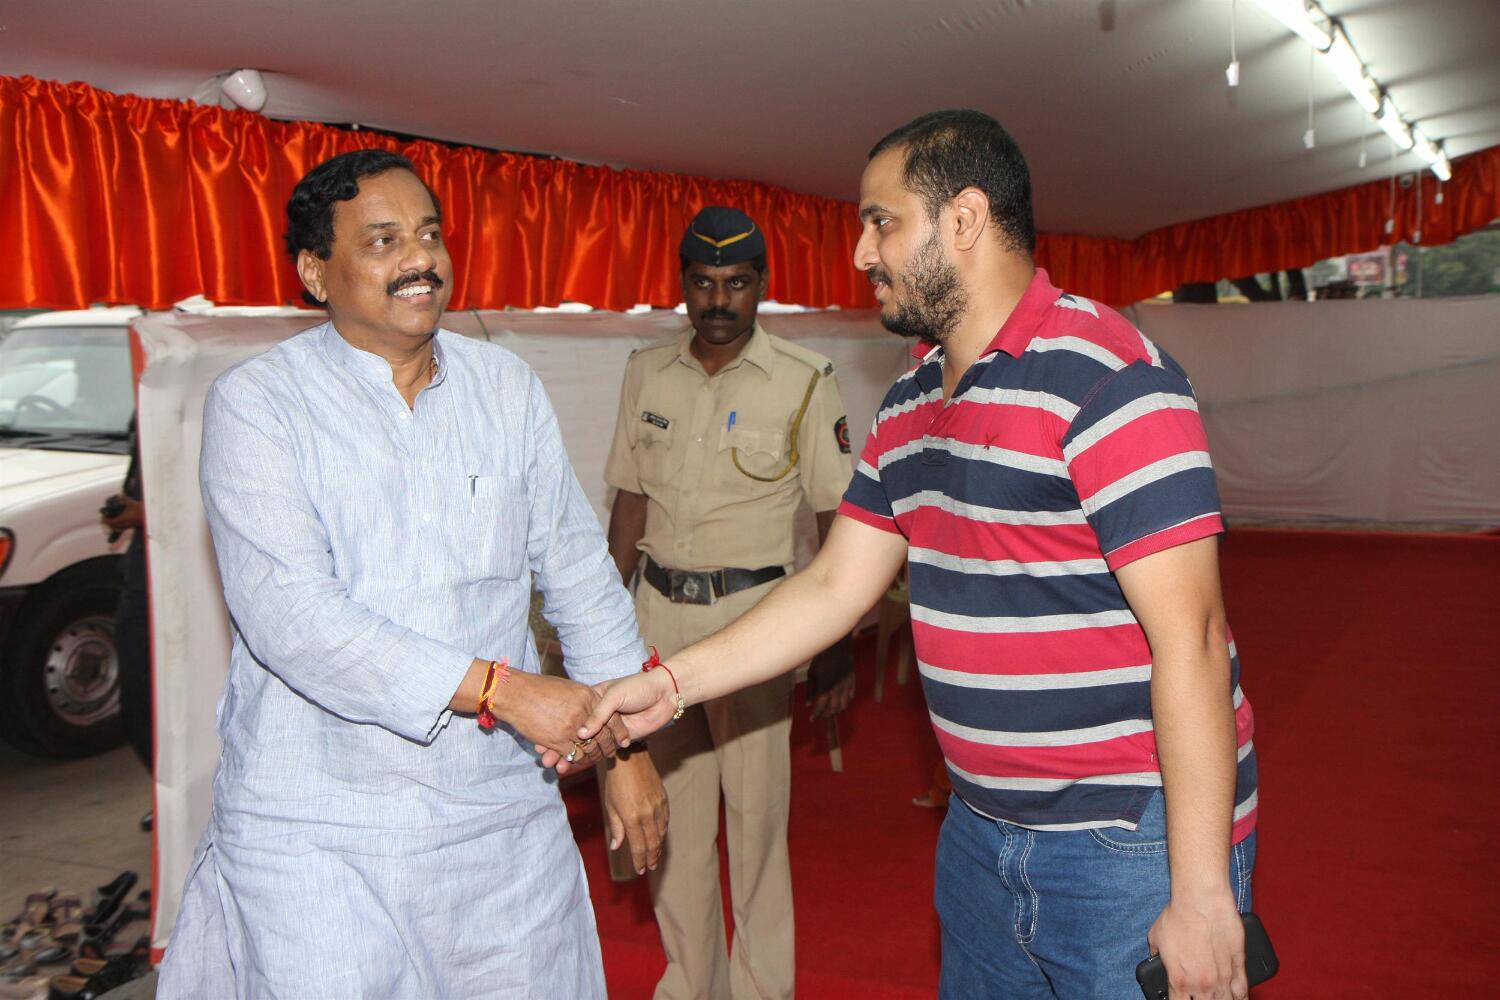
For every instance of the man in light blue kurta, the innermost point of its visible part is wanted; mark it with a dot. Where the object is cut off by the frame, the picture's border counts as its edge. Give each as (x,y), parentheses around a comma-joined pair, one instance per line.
(379,520)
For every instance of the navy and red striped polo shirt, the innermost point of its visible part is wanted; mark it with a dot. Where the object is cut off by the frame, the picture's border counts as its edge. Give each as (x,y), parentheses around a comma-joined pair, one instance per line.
(1072,447)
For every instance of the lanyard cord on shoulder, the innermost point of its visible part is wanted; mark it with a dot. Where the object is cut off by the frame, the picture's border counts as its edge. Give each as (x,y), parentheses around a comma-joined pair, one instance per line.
(796,433)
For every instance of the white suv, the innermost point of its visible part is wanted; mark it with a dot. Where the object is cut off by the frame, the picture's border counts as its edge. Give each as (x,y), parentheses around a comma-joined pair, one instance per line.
(66,398)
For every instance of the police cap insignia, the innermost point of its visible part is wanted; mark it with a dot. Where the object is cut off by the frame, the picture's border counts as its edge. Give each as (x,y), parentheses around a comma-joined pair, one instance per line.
(841,434)
(720,236)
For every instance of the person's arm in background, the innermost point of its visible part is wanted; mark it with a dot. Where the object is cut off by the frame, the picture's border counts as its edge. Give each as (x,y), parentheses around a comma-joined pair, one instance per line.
(627,515)
(627,526)
(830,676)
(823,447)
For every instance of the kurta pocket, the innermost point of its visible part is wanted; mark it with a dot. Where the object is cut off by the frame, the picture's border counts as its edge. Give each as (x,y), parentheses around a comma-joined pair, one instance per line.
(494,517)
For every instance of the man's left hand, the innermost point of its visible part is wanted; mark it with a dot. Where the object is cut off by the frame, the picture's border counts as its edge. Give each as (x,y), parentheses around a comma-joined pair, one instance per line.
(830,680)
(637,808)
(1202,945)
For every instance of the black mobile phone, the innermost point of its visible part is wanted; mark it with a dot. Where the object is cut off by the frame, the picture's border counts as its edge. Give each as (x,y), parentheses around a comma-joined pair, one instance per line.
(1260,961)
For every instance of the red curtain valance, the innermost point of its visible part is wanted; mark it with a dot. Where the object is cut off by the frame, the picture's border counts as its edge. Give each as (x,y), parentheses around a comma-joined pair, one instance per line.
(110,198)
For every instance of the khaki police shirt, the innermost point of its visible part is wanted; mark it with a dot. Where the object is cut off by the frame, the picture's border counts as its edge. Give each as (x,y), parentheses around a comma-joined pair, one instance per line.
(675,442)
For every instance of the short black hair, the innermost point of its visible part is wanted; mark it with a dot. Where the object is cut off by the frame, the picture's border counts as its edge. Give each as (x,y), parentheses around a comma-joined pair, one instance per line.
(309,212)
(947,151)
(759,263)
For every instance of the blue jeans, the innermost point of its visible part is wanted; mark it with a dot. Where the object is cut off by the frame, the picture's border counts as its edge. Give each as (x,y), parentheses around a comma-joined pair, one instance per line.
(1037,914)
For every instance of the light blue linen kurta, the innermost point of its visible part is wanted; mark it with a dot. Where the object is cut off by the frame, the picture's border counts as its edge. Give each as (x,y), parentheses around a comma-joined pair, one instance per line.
(363,843)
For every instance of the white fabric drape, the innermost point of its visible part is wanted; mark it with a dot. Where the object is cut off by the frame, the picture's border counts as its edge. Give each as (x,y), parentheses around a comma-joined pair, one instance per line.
(1353,411)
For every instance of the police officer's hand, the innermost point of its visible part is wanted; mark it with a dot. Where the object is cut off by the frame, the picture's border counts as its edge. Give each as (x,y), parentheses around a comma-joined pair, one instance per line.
(830,680)
(637,808)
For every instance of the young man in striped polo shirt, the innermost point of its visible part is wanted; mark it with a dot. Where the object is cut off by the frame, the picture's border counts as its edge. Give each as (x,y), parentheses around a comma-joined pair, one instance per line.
(1045,473)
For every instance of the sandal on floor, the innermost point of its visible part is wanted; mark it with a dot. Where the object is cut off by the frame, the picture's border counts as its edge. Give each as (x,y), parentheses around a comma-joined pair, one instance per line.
(53,953)
(66,913)
(96,938)
(111,897)
(117,972)
(44,897)
(33,916)
(86,967)
(29,988)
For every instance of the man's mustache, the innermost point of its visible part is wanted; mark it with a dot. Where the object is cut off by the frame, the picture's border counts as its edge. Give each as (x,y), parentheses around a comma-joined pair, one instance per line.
(416,278)
(718,312)
(876,276)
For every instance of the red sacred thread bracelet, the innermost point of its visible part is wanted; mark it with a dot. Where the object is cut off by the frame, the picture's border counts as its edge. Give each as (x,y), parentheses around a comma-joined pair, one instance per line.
(498,670)
(656,661)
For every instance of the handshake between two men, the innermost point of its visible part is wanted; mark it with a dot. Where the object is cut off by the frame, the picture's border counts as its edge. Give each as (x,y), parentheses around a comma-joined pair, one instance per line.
(573,726)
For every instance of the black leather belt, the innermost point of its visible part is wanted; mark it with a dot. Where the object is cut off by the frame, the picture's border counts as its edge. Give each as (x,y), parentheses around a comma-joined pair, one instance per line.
(683,586)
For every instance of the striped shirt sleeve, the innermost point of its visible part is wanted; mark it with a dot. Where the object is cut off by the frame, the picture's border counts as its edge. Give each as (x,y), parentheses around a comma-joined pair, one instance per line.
(1138,457)
(866,499)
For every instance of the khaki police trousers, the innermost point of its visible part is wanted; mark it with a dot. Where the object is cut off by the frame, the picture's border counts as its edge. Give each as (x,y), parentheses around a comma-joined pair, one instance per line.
(738,744)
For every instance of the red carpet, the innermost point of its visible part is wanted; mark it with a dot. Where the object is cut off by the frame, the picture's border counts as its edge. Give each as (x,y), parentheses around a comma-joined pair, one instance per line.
(1373,661)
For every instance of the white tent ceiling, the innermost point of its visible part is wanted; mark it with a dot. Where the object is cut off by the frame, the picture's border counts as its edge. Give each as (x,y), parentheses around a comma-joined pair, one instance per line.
(1120,105)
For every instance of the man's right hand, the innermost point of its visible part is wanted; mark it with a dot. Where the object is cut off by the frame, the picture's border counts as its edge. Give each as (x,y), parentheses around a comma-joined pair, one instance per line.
(644,703)
(549,711)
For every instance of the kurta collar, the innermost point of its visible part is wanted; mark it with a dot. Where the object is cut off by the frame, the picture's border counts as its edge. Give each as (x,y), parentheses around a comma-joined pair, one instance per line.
(372,367)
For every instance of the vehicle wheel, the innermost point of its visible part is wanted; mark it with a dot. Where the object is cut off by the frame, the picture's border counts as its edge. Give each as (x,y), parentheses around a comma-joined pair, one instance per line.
(61,684)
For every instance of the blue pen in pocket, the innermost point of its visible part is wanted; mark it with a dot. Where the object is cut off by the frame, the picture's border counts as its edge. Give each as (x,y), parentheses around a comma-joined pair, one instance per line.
(731,420)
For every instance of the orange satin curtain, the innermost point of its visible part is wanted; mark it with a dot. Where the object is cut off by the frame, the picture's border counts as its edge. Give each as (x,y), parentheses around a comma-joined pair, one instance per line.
(110,198)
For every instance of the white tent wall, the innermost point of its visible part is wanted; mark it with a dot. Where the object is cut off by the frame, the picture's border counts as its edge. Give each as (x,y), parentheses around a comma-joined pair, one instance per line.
(1383,411)
(1341,410)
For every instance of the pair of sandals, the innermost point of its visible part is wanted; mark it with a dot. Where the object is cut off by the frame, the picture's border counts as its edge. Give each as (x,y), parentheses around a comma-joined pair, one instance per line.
(88,979)
(111,912)
(46,922)
(49,927)
(91,978)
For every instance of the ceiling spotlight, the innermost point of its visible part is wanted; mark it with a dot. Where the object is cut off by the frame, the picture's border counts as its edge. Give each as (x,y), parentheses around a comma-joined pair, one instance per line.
(245,88)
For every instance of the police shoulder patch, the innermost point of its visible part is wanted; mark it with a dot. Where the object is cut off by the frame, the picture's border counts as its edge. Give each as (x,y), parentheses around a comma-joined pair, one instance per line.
(841,434)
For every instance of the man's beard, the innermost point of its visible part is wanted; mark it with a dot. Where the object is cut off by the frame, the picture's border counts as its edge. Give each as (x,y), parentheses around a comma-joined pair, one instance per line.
(933,299)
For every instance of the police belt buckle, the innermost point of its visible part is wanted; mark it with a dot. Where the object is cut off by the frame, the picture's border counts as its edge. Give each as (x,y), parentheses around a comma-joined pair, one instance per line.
(690,588)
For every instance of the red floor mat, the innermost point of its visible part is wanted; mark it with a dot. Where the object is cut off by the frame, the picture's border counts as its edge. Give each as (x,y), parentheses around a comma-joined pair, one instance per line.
(1373,662)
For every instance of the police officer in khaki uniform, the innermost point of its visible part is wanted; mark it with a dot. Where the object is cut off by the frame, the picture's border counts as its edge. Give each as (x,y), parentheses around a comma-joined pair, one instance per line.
(722,434)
